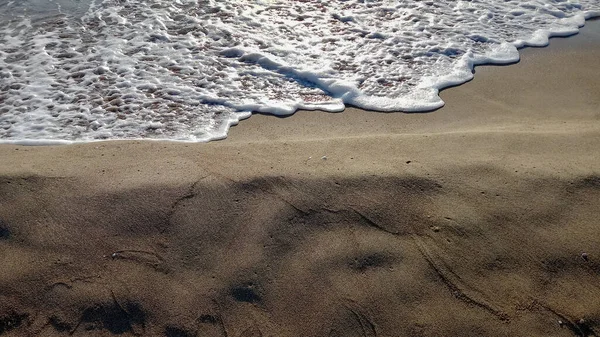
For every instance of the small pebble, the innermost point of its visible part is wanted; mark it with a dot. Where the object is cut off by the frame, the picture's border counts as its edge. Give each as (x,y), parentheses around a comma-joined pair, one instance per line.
(324,157)
(585,256)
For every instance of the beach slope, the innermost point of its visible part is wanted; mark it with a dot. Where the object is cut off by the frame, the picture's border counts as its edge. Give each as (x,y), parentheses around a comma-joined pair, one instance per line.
(479,219)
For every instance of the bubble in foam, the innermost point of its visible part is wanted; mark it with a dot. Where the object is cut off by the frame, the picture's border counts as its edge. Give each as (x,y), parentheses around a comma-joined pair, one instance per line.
(188,69)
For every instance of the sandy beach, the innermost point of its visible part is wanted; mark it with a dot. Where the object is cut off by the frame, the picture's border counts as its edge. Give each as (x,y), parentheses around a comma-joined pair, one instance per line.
(479,219)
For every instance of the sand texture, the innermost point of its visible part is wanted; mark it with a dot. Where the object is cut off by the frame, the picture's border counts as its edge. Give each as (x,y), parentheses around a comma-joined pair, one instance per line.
(479,219)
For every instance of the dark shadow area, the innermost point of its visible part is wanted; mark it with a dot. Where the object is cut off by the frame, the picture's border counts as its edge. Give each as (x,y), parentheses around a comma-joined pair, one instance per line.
(174,331)
(12,320)
(245,294)
(4,231)
(353,255)
(115,318)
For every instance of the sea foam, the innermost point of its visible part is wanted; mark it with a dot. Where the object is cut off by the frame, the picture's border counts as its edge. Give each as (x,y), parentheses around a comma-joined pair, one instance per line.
(188,69)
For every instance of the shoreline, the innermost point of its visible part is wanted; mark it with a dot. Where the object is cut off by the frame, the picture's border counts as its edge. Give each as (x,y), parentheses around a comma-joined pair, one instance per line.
(587,39)
(559,50)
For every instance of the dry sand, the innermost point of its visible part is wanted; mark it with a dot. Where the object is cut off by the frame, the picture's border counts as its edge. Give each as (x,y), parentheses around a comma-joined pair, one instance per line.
(479,219)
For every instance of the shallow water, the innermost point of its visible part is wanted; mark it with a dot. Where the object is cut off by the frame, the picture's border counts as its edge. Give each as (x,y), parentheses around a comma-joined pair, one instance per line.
(188,69)
(10,9)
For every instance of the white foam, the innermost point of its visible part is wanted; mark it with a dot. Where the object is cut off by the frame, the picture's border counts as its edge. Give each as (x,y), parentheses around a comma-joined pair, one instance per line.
(187,70)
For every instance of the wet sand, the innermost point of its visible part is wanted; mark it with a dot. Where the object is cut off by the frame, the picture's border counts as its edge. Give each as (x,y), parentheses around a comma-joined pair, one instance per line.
(479,219)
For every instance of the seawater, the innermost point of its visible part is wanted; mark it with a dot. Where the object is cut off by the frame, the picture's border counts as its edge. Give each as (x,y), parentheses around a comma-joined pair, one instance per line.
(186,70)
